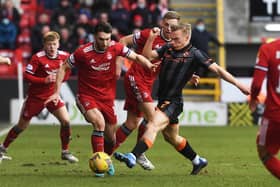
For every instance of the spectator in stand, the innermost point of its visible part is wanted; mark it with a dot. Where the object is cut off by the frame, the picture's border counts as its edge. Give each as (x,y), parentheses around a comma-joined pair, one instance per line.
(8,34)
(36,40)
(83,30)
(66,8)
(200,39)
(158,11)
(8,10)
(120,18)
(67,43)
(61,23)
(141,10)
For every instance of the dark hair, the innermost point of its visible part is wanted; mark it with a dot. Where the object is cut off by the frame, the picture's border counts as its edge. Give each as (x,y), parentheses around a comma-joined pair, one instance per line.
(103,27)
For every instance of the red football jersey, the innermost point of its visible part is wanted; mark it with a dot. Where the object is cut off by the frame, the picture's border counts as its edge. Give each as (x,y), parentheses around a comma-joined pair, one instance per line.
(139,39)
(40,66)
(97,69)
(268,64)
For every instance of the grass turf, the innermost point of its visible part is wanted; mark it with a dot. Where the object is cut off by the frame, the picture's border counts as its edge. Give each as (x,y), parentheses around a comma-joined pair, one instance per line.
(231,153)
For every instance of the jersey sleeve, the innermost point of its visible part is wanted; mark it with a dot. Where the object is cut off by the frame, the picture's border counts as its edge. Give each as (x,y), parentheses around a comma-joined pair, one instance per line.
(122,50)
(32,65)
(162,50)
(261,69)
(140,37)
(30,70)
(202,58)
(75,57)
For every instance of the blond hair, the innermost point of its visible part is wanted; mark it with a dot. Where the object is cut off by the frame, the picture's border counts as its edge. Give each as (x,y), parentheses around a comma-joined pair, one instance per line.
(51,36)
(184,27)
(171,15)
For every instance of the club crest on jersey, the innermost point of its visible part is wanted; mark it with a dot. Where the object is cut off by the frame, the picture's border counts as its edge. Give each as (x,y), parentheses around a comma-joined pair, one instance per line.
(92,61)
(109,56)
(157,46)
(47,66)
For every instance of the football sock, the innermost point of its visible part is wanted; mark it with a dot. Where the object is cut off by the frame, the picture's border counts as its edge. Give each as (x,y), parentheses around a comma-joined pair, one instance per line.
(122,133)
(65,133)
(273,166)
(141,129)
(141,147)
(97,141)
(186,150)
(12,135)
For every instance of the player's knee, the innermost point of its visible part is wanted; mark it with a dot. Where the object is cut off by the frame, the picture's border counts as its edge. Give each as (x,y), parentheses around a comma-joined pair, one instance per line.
(263,153)
(65,122)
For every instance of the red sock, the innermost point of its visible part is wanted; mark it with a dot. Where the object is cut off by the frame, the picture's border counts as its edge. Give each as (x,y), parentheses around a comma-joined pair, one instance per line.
(141,130)
(65,133)
(12,135)
(273,166)
(122,133)
(97,141)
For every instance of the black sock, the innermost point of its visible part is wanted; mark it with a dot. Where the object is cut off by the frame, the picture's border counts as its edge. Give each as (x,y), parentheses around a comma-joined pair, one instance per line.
(188,152)
(140,148)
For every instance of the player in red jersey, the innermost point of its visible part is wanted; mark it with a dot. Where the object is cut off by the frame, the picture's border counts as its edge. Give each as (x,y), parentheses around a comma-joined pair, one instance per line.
(138,86)
(41,74)
(96,63)
(268,141)
(5,60)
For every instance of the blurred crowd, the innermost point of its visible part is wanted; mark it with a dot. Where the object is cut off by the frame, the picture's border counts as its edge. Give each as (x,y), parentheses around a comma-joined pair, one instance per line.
(23,22)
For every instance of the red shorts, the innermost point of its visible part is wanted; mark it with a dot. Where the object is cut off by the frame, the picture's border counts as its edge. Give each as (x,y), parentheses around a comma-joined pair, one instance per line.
(269,135)
(33,106)
(136,92)
(86,103)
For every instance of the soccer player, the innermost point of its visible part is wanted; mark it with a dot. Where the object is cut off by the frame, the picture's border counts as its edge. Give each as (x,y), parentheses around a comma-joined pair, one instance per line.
(96,63)
(5,60)
(41,74)
(268,141)
(138,86)
(180,61)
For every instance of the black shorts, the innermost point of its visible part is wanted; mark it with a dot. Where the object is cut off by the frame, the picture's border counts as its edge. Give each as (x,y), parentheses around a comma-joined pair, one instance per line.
(172,109)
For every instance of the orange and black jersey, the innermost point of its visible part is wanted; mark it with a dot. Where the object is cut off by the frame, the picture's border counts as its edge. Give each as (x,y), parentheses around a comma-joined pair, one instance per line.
(177,69)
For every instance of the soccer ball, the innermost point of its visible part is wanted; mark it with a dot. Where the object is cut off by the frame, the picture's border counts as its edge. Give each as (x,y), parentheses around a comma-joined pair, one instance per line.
(100,162)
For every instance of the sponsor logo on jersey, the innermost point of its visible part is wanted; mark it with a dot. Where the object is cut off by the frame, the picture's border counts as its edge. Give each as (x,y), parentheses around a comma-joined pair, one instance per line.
(109,56)
(29,67)
(101,67)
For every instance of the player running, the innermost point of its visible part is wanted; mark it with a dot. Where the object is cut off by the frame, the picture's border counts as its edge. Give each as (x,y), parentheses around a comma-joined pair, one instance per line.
(41,74)
(179,61)
(268,141)
(96,63)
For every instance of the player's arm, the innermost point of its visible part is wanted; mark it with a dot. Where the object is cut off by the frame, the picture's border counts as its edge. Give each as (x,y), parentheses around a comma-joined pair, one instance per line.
(142,60)
(228,77)
(127,41)
(5,60)
(59,79)
(147,50)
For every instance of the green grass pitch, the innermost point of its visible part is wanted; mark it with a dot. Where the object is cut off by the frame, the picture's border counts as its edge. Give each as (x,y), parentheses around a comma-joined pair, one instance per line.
(231,153)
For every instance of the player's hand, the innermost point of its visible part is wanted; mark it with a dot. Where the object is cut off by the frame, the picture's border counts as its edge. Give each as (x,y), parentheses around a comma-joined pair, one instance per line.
(253,103)
(53,98)
(50,78)
(195,79)
(153,66)
(155,32)
(244,89)
(8,61)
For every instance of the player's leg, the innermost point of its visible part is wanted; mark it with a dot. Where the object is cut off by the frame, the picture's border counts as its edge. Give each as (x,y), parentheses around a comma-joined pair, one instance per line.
(123,132)
(30,108)
(60,112)
(148,109)
(159,122)
(171,135)
(268,145)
